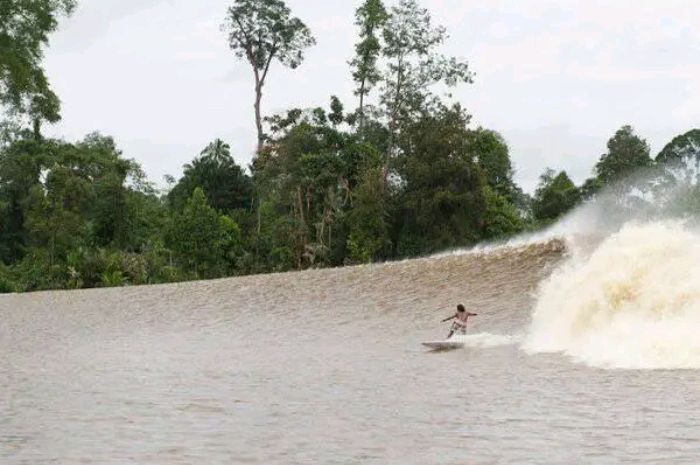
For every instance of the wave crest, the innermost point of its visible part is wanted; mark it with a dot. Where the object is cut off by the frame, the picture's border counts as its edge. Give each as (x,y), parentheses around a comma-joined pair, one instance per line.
(633,303)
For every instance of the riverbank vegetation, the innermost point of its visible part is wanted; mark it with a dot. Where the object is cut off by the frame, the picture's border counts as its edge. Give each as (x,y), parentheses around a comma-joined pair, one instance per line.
(400,172)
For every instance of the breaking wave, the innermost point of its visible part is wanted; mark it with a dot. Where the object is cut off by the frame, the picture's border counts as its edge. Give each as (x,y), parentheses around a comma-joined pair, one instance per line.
(633,303)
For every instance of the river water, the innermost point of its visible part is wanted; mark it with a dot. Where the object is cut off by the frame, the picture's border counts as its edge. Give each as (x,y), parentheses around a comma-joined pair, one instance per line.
(326,367)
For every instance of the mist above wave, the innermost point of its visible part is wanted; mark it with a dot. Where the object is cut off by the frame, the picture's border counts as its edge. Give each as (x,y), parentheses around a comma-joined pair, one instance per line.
(628,296)
(634,303)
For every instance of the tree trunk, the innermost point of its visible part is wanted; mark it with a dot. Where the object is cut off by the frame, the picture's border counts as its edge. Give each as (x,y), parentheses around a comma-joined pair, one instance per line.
(259,226)
(308,201)
(52,248)
(362,107)
(37,129)
(258,116)
(393,120)
(258,229)
(320,233)
(301,206)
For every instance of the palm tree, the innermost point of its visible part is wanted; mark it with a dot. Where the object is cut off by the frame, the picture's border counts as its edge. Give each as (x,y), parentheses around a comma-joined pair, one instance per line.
(218,152)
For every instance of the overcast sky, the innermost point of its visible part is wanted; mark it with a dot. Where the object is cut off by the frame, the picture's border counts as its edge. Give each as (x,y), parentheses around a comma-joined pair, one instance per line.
(555,77)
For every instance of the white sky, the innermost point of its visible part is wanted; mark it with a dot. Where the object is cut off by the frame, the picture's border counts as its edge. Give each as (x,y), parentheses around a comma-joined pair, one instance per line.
(555,77)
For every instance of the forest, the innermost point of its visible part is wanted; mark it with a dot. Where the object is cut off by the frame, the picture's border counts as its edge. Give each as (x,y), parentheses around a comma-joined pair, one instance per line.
(398,172)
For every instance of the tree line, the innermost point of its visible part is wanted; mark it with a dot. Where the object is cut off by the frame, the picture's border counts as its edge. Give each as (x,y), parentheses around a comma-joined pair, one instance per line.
(398,173)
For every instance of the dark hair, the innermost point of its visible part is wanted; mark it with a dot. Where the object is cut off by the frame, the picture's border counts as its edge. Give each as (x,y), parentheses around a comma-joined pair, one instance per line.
(460,308)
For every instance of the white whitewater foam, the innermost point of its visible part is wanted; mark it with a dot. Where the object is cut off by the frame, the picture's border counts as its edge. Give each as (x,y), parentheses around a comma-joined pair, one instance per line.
(633,303)
(520,241)
(484,340)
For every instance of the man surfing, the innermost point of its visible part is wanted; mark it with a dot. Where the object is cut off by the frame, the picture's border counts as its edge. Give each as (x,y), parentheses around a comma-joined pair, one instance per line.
(460,323)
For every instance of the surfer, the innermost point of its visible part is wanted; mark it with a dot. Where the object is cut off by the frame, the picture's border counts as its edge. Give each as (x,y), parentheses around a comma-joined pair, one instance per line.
(460,323)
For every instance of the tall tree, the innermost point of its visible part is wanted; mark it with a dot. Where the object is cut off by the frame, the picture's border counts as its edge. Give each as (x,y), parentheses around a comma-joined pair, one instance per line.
(442,195)
(225,184)
(24,29)
(501,216)
(368,238)
(491,152)
(21,165)
(370,18)
(556,194)
(201,238)
(626,154)
(107,174)
(305,174)
(681,157)
(260,32)
(414,65)
(53,213)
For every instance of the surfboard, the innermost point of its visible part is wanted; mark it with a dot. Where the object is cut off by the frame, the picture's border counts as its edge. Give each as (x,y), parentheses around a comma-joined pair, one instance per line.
(443,345)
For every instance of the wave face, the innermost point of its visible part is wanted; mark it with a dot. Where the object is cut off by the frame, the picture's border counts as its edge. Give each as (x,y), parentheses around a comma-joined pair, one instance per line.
(634,302)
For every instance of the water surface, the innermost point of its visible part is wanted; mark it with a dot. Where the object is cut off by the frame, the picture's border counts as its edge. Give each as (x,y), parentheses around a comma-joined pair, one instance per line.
(324,367)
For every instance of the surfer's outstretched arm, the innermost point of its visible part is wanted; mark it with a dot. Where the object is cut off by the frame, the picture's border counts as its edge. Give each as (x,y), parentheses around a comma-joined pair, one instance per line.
(473,314)
(450,318)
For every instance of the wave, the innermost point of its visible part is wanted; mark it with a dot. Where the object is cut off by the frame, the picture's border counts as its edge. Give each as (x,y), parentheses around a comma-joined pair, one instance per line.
(634,302)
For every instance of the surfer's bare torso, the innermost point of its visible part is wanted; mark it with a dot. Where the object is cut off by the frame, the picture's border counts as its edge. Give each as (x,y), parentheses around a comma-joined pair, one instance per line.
(460,320)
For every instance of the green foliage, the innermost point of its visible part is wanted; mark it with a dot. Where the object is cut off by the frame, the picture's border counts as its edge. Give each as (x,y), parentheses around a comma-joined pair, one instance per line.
(24,29)
(336,116)
(684,148)
(264,30)
(491,152)
(73,213)
(627,153)
(404,177)
(229,243)
(204,241)
(442,196)
(59,196)
(20,169)
(413,64)
(104,174)
(35,272)
(590,187)
(7,284)
(52,221)
(556,194)
(501,217)
(369,217)
(306,178)
(279,238)
(370,17)
(226,185)
(260,32)
(80,215)
(146,219)
(681,158)
(89,268)
(113,279)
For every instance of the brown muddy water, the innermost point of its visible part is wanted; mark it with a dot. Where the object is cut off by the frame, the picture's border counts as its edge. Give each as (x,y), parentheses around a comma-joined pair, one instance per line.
(325,367)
